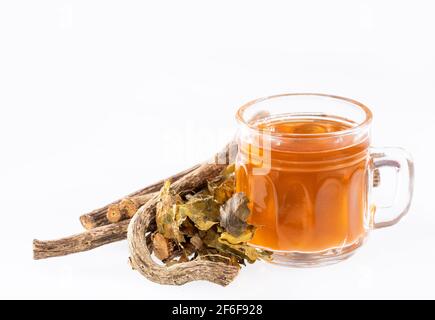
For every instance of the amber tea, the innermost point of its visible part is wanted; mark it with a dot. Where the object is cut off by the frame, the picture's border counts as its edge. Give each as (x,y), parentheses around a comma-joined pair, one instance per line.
(306,164)
(309,201)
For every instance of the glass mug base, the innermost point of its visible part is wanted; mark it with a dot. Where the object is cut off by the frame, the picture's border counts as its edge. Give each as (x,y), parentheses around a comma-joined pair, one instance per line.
(315,259)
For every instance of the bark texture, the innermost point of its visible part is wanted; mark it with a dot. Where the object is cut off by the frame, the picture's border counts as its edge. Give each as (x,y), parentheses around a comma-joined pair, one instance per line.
(181,273)
(129,206)
(81,242)
(188,181)
(98,217)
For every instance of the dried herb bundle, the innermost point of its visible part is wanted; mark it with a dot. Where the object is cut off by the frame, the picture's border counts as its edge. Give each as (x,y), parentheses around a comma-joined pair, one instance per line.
(190,238)
(189,234)
(209,223)
(113,232)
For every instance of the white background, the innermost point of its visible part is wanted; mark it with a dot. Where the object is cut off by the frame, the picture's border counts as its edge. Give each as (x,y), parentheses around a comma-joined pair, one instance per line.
(100,98)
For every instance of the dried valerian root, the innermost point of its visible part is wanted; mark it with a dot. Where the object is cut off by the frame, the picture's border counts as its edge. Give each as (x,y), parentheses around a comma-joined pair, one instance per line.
(114,213)
(101,231)
(109,233)
(129,206)
(176,274)
(190,237)
(85,241)
(98,217)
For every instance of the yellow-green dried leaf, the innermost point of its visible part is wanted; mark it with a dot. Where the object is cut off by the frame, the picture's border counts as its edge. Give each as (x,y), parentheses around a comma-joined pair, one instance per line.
(223,187)
(210,239)
(202,210)
(242,251)
(234,214)
(168,216)
(229,170)
(246,236)
(251,253)
(265,255)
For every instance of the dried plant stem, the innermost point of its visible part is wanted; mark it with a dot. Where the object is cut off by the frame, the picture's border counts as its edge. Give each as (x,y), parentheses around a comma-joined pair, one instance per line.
(144,222)
(129,206)
(190,182)
(114,213)
(98,217)
(81,242)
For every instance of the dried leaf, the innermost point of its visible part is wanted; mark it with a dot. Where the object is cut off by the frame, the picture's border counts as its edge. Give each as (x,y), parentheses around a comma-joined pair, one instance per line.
(246,236)
(196,242)
(219,229)
(215,256)
(250,253)
(265,255)
(222,188)
(210,237)
(168,216)
(202,234)
(245,251)
(202,210)
(188,228)
(212,240)
(214,220)
(241,251)
(198,195)
(161,246)
(234,213)
(229,170)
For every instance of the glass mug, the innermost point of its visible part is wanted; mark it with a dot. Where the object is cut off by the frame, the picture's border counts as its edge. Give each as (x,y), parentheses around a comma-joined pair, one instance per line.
(306,164)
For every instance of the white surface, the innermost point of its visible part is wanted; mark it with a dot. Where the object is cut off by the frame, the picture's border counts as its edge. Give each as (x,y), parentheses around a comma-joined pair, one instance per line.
(99,98)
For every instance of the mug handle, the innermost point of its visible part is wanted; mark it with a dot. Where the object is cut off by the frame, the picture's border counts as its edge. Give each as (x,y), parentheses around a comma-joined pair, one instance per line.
(402,162)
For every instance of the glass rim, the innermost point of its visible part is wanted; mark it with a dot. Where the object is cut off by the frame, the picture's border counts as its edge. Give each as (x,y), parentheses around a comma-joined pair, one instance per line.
(360,126)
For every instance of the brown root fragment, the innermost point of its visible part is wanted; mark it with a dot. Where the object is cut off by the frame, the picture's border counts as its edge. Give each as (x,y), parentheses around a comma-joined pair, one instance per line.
(115,232)
(161,246)
(91,221)
(177,273)
(114,213)
(98,217)
(193,180)
(183,258)
(129,206)
(81,242)
(196,242)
